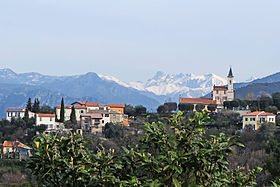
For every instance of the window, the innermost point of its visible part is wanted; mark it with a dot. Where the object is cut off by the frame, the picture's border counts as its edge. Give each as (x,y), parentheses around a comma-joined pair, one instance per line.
(50,118)
(50,126)
(217,91)
(40,118)
(246,119)
(230,82)
(97,121)
(103,121)
(252,119)
(82,111)
(57,126)
(225,92)
(114,116)
(224,98)
(86,120)
(9,114)
(217,98)
(107,115)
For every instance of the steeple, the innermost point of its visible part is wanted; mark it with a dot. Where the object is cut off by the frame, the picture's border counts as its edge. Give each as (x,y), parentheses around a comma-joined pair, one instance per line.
(230,75)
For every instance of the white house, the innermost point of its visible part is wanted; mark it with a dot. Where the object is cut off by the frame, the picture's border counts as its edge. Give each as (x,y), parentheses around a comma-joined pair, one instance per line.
(88,105)
(256,119)
(49,121)
(17,113)
(67,112)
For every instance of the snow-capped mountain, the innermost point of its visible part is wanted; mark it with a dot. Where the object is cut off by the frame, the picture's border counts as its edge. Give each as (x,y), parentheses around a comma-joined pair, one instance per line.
(173,85)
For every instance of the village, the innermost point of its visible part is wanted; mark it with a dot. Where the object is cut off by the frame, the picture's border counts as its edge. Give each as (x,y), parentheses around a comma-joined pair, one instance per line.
(88,117)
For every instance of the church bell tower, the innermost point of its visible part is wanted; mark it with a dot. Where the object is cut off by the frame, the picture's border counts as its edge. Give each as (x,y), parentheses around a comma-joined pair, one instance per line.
(230,91)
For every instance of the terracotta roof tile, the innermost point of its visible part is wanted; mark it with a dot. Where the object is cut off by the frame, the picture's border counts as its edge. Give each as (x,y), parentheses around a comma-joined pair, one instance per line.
(116,105)
(220,88)
(15,144)
(15,109)
(197,100)
(92,115)
(70,107)
(259,113)
(46,115)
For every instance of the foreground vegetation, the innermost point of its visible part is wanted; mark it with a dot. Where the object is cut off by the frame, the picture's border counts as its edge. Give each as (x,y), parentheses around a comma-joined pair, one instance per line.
(175,155)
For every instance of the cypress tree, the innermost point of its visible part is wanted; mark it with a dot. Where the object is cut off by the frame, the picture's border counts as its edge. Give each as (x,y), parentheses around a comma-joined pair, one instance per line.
(29,105)
(26,115)
(36,106)
(62,111)
(73,115)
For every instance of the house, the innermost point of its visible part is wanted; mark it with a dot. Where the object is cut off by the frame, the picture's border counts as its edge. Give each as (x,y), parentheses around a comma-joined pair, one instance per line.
(196,101)
(256,119)
(92,123)
(67,112)
(12,147)
(17,113)
(49,121)
(117,107)
(88,105)
(223,93)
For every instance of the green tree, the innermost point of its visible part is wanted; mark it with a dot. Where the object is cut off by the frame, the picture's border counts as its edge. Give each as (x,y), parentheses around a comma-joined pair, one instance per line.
(199,107)
(36,106)
(271,109)
(129,110)
(73,115)
(162,109)
(62,115)
(140,110)
(186,107)
(181,157)
(29,104)
(212,107)
(26,115)
(170,106)
(276,99)
(45,109)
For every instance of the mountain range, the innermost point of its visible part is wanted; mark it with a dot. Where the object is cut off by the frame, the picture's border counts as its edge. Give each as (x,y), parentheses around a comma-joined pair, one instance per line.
(16,88)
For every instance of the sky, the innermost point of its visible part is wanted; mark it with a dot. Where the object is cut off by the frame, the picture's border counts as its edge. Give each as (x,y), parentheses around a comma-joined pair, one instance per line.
(133,39)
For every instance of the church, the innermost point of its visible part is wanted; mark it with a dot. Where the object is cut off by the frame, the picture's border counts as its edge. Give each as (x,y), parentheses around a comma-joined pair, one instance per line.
(223,93)
(219,96)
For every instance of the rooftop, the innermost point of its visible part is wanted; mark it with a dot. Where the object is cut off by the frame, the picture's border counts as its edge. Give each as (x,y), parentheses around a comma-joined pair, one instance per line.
(197,100)
(259,113)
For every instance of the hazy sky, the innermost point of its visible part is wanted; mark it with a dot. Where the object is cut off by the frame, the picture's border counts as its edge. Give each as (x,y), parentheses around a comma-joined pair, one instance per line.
(132,39)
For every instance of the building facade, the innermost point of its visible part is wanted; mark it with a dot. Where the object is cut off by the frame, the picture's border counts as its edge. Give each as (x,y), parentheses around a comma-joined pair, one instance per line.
(17,113)
(92,123)
(256,119)
(222,93)
(67,112)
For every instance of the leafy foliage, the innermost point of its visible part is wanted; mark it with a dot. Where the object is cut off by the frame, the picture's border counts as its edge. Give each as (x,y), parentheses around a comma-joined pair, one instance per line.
(184,156)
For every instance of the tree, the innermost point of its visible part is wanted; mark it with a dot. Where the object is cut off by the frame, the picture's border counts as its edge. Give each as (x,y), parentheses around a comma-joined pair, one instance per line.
(186,107)
(161,109)
(129,110)
(45,109)
(271,109)
(264,101)
(26,115)
(140,110)
(212,107)
(29,104)
(73,115)
(199,107)
(276,99)
(170,106)
(36,106)
(62,111)
(183,157)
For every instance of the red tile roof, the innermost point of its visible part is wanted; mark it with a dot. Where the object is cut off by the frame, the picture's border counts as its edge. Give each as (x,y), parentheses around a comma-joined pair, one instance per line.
(87,104)
(92,115)
(15,144)
(220,87)
(15,109)
(46,115)
(116,105)
(197,100)
(259,113)
(69,107)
